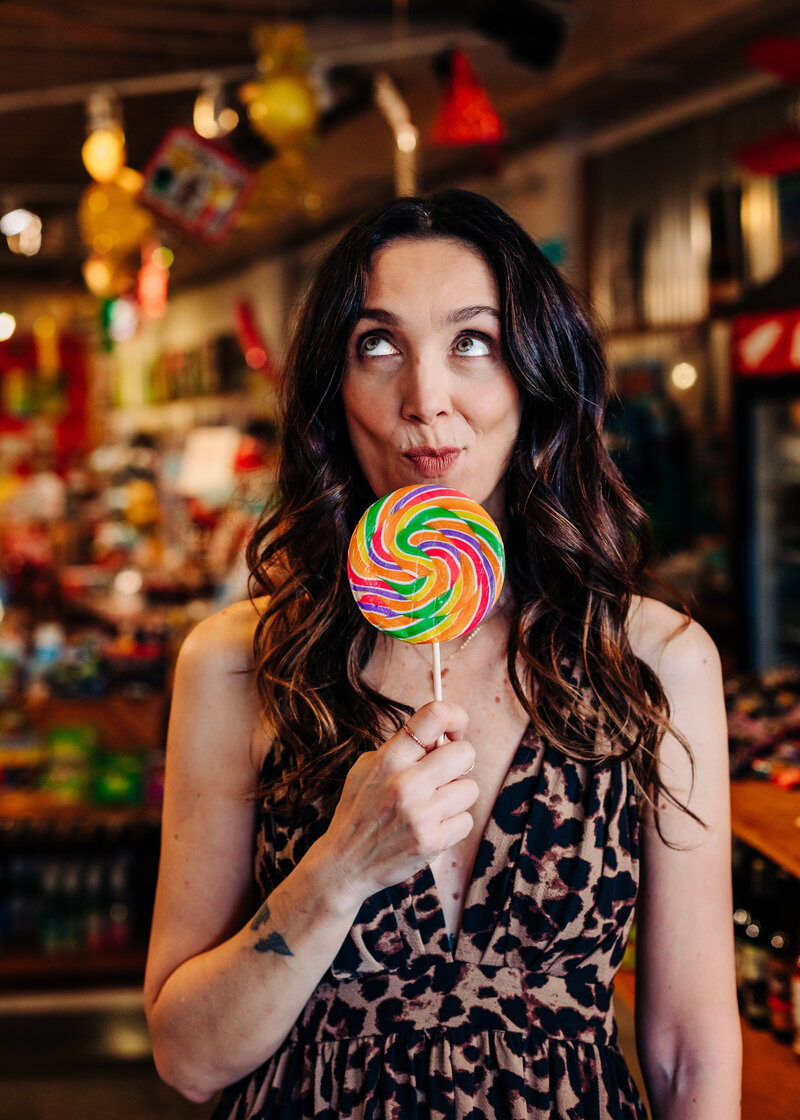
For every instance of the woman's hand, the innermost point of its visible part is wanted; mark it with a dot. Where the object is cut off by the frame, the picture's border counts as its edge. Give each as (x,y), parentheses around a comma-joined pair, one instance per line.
(402,805)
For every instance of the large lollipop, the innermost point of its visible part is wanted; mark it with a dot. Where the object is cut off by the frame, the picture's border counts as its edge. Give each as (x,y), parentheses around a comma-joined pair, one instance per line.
(426,564)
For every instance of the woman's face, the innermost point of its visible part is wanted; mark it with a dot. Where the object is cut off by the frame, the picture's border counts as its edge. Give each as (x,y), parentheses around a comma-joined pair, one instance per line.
(426,393)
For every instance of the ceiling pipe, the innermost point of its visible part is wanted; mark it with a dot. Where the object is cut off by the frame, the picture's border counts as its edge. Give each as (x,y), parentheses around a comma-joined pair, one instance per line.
(366,54)
(396,111)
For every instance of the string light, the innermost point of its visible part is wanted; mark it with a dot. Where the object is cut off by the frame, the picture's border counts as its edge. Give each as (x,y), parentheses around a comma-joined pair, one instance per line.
(212,117)
(23,231)
(103,151)
(15,221)
(684,375)
(8,324)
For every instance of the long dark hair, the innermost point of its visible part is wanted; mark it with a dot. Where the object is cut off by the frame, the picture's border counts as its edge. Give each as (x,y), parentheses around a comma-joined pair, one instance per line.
(577,542)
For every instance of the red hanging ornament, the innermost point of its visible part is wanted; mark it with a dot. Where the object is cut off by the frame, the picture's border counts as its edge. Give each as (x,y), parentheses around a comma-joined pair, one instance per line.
(779,55)
(778,154)
(256,352)
(466,115)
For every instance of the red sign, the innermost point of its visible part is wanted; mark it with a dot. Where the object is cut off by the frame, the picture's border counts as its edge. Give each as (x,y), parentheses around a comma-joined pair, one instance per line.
(766,343)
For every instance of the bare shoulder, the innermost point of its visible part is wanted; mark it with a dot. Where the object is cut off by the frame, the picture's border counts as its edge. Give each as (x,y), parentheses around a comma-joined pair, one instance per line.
(224,640)
(678,650)
(215,680)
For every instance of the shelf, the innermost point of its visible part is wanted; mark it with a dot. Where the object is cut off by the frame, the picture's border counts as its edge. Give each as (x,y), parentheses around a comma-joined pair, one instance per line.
(124,722)
(26,970)
(768,819)
(14,808)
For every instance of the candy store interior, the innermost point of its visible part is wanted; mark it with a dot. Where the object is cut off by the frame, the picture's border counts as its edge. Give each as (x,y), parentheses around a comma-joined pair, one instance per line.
(170,175)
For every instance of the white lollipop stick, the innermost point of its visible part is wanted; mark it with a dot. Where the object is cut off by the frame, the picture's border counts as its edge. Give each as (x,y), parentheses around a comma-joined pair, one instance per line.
(437,671)
(437,682)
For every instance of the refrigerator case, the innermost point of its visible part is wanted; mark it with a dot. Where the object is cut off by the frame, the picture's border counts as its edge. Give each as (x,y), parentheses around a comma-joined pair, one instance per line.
(767,459)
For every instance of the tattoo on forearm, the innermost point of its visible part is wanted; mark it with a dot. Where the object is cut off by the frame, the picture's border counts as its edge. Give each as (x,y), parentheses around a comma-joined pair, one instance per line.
(273,942)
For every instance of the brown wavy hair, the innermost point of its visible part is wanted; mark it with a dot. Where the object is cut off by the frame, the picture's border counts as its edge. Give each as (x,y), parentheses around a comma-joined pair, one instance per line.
(577,542)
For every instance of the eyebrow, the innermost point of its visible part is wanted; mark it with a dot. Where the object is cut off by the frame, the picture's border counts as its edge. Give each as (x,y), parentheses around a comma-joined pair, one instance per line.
(461,315)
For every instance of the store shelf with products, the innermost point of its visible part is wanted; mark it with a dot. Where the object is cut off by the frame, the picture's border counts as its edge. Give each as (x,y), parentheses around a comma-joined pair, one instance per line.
(78,882)
(109,554)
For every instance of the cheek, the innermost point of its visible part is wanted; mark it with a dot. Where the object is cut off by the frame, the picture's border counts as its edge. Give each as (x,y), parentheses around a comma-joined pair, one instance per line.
(362,404)
(502,411)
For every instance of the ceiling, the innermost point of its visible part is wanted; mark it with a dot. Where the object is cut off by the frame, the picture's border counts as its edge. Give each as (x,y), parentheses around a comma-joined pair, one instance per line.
(621,58)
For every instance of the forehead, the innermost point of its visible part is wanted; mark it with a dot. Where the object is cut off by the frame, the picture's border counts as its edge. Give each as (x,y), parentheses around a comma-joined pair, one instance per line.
(440,268)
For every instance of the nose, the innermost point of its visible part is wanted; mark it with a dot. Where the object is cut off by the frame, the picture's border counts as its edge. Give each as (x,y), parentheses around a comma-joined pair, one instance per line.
(425,395)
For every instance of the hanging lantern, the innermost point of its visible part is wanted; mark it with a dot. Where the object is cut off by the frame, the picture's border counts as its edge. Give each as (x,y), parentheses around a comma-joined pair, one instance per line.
(103,151)
(282,104)
(466,115)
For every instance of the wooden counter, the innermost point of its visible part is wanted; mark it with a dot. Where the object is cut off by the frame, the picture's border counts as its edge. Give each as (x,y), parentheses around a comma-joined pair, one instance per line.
(770,1070)
(768,819)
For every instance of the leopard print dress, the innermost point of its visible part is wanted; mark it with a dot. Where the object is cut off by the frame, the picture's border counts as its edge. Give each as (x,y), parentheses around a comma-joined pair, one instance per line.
(516,1018)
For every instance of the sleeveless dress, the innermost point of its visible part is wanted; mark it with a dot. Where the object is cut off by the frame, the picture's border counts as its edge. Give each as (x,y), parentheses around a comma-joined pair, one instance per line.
(515,1020)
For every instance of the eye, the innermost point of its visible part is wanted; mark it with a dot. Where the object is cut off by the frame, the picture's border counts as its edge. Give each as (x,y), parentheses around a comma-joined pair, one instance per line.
(471,346)
(375,346)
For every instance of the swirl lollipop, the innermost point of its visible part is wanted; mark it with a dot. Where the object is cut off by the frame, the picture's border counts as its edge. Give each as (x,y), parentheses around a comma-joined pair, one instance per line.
(426,564)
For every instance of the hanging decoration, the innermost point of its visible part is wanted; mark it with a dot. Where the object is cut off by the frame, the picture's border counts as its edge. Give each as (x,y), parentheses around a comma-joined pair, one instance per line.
(107,276)
(778,153)
(113,226)
(285,185)
(466,115)
(256,352)
(282,103)
(152,282)
(196,184)
(778,55)
(111,220)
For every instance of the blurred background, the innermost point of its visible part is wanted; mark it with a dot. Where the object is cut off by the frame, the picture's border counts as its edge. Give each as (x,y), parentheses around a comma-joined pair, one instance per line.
(170,173)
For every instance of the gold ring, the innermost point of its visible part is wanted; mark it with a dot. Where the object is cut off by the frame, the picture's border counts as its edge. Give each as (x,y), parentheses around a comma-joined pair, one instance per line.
(411,734)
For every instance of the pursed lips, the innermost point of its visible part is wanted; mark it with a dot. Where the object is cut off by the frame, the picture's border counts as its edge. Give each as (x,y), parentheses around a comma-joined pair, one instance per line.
(432,461)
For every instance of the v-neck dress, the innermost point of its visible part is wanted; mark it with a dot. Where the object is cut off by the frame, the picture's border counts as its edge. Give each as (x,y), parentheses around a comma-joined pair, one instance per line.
(515,1020)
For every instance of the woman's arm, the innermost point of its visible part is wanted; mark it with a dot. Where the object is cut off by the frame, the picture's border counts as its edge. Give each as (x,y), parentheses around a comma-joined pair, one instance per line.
(687,1023)
(224,984)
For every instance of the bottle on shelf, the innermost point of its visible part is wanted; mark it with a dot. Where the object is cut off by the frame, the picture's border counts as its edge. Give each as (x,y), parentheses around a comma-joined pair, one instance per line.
(755,951)
(740,866)
(781,960)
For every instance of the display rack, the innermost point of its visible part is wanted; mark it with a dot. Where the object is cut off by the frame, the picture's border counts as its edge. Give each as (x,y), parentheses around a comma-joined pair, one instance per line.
(65,831)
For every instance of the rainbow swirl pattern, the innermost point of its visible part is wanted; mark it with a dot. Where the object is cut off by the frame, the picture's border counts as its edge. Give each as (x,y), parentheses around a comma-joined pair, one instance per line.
(426,564)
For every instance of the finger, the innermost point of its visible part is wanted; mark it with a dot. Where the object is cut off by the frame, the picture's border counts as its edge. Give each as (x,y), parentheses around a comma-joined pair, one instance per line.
(436,719)
(455,829)
(443,765)
(455,797)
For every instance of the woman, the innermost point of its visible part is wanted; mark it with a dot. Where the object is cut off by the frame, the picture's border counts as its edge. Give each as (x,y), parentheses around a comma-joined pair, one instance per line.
(434,931)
